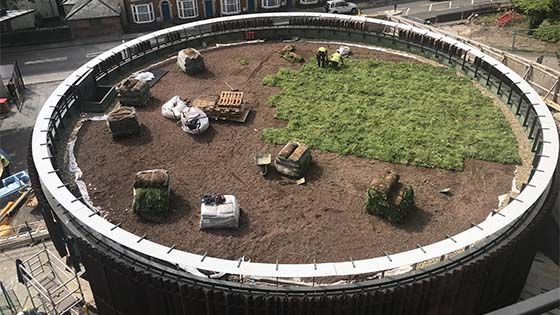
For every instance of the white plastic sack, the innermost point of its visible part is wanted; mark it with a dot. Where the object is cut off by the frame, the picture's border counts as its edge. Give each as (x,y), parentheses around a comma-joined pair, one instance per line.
(344,50)
(196,115)
(172,109)
(73,163)
(225,215)
(143,76)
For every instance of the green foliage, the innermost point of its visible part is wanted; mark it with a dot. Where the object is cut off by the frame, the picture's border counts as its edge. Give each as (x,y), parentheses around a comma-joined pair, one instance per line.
(407,203)
(539,10)
(403,113)
(532,6)
(293,57)
(243,61)
(549,32)
(151,203)
(378,203)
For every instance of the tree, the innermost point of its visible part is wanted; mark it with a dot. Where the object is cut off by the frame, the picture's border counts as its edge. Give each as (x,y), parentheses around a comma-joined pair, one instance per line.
(539,10)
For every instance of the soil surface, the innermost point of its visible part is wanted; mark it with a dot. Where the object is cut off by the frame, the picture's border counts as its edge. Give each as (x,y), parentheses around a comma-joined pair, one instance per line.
(322,220)
(486,31)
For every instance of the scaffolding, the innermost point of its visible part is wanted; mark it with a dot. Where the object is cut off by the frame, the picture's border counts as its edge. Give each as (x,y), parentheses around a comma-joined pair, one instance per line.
(9,303)
(52,286)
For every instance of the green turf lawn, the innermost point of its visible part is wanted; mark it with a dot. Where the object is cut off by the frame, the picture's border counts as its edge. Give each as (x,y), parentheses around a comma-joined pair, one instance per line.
(403,113)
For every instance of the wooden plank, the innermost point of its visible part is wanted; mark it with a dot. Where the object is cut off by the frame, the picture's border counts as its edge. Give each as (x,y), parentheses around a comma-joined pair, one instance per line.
(240,119)
(204,102)
(552,105)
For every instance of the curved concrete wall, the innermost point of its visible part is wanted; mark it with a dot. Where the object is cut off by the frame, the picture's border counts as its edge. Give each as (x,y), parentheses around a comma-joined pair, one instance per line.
(110,253)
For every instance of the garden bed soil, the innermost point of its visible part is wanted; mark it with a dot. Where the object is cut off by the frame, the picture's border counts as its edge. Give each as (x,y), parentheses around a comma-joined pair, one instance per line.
(320,221)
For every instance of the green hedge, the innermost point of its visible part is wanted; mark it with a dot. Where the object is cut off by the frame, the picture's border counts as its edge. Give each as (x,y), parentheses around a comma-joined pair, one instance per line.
(549,32)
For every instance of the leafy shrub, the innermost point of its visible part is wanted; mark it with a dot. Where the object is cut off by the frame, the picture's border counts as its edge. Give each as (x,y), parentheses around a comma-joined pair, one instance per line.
(549,32)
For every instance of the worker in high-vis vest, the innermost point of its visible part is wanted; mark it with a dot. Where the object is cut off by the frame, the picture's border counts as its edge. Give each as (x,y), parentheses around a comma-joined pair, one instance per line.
(5,164)
(321,56)
(336,60)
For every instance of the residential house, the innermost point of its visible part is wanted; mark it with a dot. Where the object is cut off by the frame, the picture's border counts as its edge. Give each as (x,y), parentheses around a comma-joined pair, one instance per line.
(142,15)
(44,9)
(68,5)
(15,20)
(94,17)
(151,14)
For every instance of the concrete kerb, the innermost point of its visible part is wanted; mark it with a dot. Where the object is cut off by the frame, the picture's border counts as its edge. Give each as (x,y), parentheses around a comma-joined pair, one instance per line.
(46,78)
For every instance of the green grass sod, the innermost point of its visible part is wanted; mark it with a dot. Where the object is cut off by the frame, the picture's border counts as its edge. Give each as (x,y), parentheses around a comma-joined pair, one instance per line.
(151,203)
(407,113)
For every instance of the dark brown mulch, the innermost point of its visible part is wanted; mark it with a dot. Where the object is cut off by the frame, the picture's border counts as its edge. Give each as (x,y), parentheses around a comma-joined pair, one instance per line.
(322,220)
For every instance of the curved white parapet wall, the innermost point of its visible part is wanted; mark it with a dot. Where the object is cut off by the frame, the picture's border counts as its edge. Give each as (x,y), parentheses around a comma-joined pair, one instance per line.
(60,198)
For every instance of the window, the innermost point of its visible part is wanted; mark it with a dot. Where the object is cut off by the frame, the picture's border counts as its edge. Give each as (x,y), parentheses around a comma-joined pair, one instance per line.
(271,3)
(187,9)
(231,6)
(308,1)
(142,13)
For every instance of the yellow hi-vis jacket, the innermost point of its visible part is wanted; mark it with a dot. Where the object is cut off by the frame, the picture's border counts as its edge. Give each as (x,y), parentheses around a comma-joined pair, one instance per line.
(4,160)
(322,50)
(336,57)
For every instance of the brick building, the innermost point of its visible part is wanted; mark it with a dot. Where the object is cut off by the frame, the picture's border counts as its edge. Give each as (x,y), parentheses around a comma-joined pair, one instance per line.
(152,14)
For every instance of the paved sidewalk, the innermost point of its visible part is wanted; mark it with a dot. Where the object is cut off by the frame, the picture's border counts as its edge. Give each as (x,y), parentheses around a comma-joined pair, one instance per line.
(15,130)
(41,79)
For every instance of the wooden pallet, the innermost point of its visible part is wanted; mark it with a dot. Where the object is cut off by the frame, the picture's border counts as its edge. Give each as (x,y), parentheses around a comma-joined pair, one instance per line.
(230,98)
(241,118)
(229,106)
(204,102)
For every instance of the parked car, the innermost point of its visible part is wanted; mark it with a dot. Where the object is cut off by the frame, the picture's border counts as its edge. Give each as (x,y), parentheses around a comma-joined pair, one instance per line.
(341,6)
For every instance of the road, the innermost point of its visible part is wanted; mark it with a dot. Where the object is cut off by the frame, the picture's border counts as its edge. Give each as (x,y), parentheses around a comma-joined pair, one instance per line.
(416,7)
(41,60)
(47,60)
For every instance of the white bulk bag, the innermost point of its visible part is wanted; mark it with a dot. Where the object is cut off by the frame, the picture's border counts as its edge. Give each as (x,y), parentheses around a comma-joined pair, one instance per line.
(143,76)
(344,51)
(196,115)
(224,215)
(172,109)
